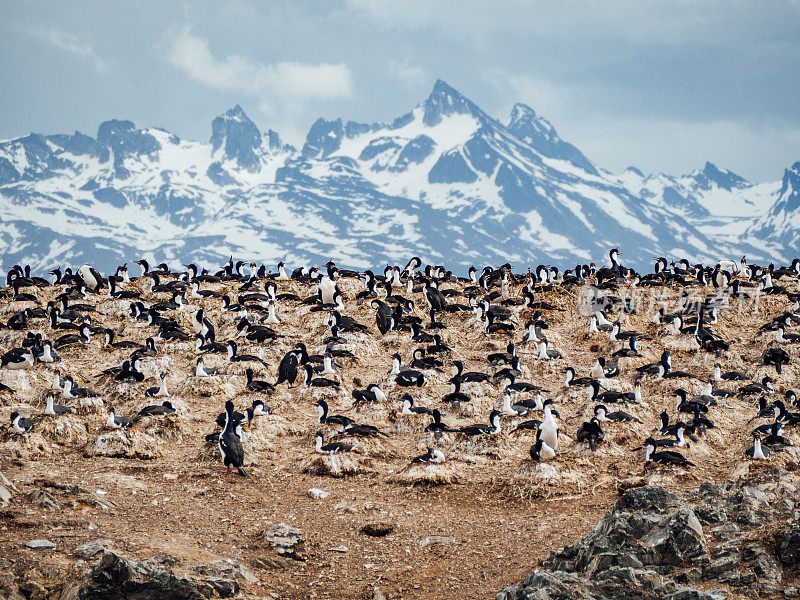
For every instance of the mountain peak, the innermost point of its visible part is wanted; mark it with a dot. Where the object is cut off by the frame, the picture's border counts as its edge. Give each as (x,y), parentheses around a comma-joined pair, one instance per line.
(540,134)
(239,135)
(522,111)
(108,128)
(237,113)
(445,100)
(713,175)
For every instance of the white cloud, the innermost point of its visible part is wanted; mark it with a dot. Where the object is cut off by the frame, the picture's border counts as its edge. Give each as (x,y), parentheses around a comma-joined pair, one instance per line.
(674,146)
(408,74)
(280,80)
(547,98)
(77,45)
(666,22)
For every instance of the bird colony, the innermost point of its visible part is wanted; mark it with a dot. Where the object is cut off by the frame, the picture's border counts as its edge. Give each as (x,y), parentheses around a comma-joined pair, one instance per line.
(564,378)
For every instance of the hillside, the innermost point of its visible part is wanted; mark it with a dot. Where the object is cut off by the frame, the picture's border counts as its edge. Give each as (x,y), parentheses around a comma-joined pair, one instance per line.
(158,493)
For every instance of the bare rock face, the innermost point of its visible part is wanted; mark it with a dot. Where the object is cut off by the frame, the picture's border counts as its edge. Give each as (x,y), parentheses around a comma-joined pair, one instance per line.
(119,578)
(651,544)
(124,444)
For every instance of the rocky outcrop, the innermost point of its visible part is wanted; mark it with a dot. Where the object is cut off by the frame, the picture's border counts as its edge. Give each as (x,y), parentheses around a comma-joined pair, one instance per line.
(119,578)
(652,544)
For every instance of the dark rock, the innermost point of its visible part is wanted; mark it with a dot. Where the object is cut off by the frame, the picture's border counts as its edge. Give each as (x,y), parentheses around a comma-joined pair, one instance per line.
(721,565)
(118,578)
(378,529)
(226,569)
(690,575)
(645,498)
(710,490)
(224,587)
(738,578)
(645,578)
(272,563)
(709,515)
(678,538)
(690,594)
(789,548)
(726,532)
(766,566)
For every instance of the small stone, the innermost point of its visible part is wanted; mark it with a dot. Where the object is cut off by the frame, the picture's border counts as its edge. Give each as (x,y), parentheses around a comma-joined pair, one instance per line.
(378,528)
(341,549)
(38,544)
(90,549)
(791,592)
(284,539)
(345,507)
(5,495)
(318,493)
(436,539)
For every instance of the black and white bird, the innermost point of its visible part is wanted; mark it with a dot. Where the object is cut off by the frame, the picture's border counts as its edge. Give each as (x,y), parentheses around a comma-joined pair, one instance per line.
(433,455)
(256,385)
(234,356)
(318,382)
(17,358)
(158,391)
(664,457)
(91,277)
(591,433)
(332,448)
(115,421)
(546,353)
(757,451)
(200,369)
(156,410)
(617,416)
(410,409)
(548,429)
(325,419)
(20,424)
(372,394)
(493,428)
(56,409)
(541,451)
(230,446)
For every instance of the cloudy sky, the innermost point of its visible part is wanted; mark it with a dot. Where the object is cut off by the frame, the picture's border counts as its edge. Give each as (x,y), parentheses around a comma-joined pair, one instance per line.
(663,86)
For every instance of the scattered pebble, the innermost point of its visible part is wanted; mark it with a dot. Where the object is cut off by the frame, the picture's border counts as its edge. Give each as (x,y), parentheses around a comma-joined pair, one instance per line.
(38,544)
(436,539)
(318,494)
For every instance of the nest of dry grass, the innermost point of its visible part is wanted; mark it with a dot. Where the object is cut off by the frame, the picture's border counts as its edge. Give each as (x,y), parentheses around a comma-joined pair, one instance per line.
(331,465)
(428,474)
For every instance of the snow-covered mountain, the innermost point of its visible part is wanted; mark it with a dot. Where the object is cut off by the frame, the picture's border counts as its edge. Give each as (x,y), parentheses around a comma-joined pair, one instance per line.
(445,181)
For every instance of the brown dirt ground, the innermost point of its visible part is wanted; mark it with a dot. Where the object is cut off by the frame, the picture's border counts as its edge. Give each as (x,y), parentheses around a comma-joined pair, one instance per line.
(187,506)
